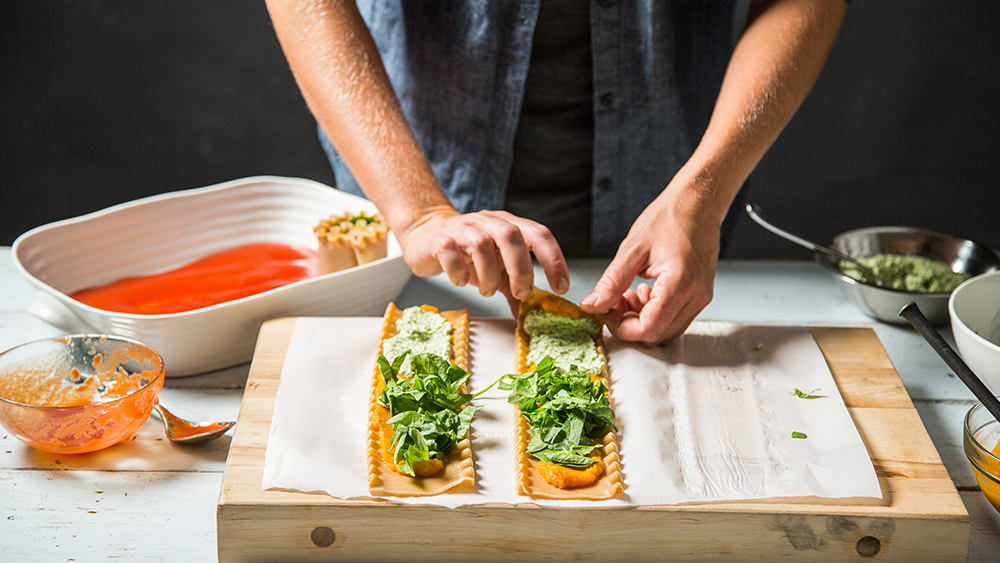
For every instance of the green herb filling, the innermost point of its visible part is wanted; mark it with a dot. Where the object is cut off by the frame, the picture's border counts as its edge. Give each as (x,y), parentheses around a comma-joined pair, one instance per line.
(570,341)
(419,332)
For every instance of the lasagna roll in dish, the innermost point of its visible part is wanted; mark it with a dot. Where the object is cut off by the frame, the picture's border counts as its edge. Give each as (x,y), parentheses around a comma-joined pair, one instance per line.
(565,431)
(418,443)
(350,240)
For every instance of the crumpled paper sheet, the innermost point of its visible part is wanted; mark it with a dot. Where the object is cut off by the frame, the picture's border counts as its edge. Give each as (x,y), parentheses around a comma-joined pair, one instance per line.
(708,418)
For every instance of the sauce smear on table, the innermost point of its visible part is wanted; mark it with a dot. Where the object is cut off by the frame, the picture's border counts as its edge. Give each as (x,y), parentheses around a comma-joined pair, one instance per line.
(225,276)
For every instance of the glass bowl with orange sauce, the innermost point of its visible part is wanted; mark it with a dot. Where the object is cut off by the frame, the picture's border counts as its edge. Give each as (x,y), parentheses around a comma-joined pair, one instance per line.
(78,393)
(982,447)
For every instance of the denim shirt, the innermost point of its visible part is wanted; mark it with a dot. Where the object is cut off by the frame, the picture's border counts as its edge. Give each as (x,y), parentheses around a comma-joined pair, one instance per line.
(459,69)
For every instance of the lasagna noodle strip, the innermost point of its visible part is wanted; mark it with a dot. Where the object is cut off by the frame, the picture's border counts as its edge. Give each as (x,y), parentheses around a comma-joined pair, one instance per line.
(529,481)
(458,466)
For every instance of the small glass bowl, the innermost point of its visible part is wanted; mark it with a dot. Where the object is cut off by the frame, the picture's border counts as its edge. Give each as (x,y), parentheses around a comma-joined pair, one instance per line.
(982,432)
(78,393)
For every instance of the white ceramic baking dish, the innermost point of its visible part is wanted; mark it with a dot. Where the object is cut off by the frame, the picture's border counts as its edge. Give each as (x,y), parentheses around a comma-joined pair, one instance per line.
(164,232)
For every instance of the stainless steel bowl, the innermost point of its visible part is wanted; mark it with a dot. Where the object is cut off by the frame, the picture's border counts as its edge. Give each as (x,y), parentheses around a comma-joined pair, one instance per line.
(884,304)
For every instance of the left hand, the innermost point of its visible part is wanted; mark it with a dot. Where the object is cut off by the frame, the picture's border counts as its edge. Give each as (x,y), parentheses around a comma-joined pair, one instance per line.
(676,242)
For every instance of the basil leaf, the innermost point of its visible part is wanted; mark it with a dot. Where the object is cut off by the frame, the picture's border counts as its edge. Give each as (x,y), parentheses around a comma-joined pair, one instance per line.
(566,410)
(570,458)
(428,412)
(803,395)
(799,435)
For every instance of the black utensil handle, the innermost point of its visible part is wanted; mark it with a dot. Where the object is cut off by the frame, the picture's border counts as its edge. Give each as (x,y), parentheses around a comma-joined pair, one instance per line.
(912,313)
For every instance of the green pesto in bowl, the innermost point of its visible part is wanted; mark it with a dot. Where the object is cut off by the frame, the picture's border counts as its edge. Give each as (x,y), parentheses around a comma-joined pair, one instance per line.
(916,274)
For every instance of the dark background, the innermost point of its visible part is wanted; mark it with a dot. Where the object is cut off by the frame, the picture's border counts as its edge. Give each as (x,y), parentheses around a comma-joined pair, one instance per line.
(109,101)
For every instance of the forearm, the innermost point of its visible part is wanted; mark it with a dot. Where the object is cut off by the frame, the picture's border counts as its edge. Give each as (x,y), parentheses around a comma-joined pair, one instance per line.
(343,80)
(773,67)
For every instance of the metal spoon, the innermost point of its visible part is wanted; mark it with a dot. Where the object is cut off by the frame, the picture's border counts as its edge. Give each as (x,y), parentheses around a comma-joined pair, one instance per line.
(186,432)
(754,212)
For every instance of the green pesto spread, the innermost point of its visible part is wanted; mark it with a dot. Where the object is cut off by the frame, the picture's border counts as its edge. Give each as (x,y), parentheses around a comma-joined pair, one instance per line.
(568,341)
(419,332)
(908,273)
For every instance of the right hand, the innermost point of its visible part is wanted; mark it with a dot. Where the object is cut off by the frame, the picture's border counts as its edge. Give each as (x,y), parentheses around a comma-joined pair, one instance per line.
(490,250)
(674,241)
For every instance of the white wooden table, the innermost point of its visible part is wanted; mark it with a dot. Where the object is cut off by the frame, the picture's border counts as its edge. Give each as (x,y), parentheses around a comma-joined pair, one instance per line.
(150,500)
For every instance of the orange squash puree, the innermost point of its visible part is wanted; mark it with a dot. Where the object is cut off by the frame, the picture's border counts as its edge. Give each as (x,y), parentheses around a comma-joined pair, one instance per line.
(427,468)
(570,477)
(225,276)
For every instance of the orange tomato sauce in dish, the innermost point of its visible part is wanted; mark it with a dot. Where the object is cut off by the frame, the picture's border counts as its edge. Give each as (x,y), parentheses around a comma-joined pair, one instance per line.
(224,276)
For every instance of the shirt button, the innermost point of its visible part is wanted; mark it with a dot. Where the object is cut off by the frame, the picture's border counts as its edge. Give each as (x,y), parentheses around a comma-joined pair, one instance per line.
(607,100)
(604,184)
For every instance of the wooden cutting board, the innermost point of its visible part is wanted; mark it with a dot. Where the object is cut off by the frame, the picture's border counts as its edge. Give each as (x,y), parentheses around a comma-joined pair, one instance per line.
(921,516)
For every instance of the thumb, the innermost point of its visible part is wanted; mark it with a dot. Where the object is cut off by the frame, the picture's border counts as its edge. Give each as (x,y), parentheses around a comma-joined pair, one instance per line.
(609,289)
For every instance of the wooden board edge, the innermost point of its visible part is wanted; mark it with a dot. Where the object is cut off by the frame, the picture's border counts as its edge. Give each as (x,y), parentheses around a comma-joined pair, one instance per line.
(343,533)
(265,366)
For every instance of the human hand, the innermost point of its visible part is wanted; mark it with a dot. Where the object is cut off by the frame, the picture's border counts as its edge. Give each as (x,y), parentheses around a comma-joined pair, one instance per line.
(677,244)
(490,250)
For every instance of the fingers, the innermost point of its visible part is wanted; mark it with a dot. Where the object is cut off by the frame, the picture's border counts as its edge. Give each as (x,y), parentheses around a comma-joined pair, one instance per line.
(467,255)
(635,327)
(634,299)
(643,293)
(550,257)
(452,260)
(488,249)
(642,316)
(537,240)
(630,301)
(659,314)
(514,253)
(512,302)
(486,261)
(616,280)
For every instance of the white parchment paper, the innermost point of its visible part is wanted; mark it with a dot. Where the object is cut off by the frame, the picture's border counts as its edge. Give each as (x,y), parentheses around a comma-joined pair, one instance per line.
(708,418)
